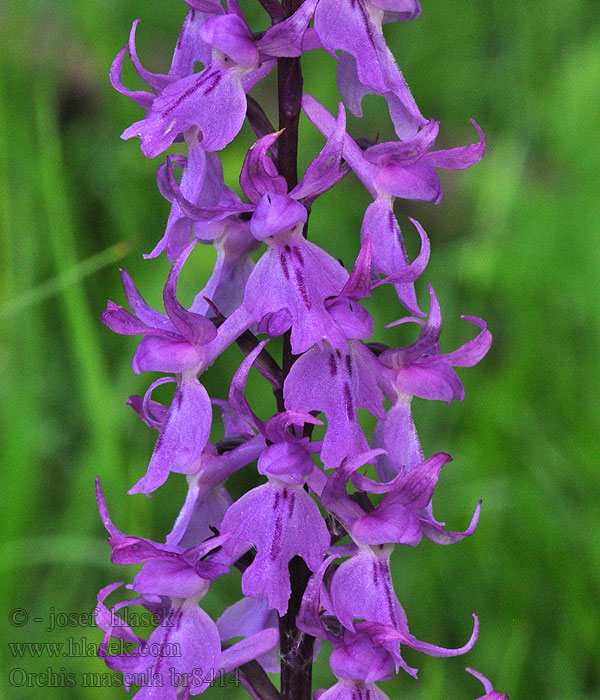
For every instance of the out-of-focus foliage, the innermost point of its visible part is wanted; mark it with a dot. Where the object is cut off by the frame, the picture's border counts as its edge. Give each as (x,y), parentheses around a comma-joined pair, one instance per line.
(515,240)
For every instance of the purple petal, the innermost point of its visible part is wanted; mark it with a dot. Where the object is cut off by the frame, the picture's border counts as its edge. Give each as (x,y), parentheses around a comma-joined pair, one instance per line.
(104,516)
(253,647)
(171,578)
(108,621)
(436,533)
(337,383)
(288,462)
(157,81)
(360,660)
(358,284)
(286,38)
(325,170)
(397,434)
(238,384)
(245,617)
(183,437)
(404,637)
(347,26)
(462,157)
(474,350)
(140,97)
(165,355)
(259,174)
(141,309)
(121,321)
(193,327)
(434,381)
(387,524)
(404,153)
(299,276)
(389,254)
(282,522)
(361,589)
(276,214)
(190,47)
(312,606)
(415,489)
(229,34)
(276,429)
(213,100)
(418,182)
(354,321)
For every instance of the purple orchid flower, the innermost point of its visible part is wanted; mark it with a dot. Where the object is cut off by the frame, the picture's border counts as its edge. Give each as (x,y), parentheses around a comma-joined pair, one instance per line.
(185,641)
(420,370)
(366,64)
(300,276)
(361,588)
(404,513)
(399,169)
(178,342)
(183,576)
(284,521)
(357,664)
(214,100)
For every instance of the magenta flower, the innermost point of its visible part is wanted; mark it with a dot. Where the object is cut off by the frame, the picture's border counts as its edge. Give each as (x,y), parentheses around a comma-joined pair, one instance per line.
(313,541)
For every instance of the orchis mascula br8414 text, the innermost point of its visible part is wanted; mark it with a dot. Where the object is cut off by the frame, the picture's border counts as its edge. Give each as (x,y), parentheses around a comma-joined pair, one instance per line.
(314,540)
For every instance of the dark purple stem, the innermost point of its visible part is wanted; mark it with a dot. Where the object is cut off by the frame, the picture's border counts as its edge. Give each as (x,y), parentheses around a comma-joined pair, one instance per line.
(274,9)
(296,648)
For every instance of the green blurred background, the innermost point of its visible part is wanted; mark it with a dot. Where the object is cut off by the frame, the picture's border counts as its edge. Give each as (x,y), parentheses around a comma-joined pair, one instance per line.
(514,240)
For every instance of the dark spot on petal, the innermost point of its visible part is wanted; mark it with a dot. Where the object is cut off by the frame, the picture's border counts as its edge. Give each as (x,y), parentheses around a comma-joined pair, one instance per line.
(284,266)
(301,284)
(298,254)
(275,547)
(348,402)
(276,501)
(291,504)
(349,365)
(332,365)
(204,77)
(213,85)
(287,248)
(388,592)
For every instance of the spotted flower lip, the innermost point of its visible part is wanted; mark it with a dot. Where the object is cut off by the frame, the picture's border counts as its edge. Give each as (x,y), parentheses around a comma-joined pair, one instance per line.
(213,100)
(282,521)
(338,383)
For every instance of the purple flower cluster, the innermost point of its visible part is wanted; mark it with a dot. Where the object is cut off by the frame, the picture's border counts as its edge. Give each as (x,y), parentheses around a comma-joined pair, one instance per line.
(314,540)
